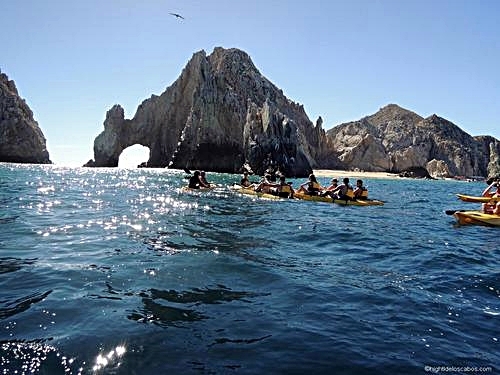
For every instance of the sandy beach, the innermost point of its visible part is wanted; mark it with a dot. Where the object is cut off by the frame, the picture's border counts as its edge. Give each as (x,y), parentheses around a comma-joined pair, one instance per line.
(353,174)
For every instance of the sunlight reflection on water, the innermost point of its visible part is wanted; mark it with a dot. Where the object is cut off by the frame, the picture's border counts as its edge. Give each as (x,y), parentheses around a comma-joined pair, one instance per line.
(216,281)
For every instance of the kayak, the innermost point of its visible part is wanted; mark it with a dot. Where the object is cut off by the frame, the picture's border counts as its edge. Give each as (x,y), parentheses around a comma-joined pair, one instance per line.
(469,198)
(477,218)
(357,202)
(185,189)
(307,197)
(251,191)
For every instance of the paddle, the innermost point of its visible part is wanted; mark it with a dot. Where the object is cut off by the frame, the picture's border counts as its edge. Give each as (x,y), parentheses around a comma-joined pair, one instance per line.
(187,171)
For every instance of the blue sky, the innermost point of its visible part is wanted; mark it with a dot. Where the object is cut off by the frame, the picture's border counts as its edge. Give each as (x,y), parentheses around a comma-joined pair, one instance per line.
(343,60)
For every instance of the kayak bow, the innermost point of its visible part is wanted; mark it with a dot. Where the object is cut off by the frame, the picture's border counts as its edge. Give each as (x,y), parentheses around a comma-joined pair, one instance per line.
(470,198)
(477,218)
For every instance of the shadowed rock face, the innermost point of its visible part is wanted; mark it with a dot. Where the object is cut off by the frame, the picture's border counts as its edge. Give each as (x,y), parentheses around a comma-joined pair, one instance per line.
(21,140)
(218,115)
(395,139)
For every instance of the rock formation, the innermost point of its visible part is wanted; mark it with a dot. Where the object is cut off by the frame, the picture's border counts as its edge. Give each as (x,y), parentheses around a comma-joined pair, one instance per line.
(21,140)
(221,114)
(395,139)
(218,115)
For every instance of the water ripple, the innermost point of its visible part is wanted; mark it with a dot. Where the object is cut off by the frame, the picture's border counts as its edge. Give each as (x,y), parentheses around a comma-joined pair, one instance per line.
(98,260)
(19,305)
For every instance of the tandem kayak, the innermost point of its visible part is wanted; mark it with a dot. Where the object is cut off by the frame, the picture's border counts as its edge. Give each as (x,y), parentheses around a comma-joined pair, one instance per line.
(469,198)
(251,191)
(477,218)
(357,202)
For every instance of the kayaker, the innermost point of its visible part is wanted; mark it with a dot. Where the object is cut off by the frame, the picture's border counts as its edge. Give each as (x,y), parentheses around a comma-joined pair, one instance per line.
(284,189)
(265,185)
(245,182)
(360,192)
(194,181)
(203,179)
(343,192)
(496,210)
(488,192)
(311,187)
(334,183)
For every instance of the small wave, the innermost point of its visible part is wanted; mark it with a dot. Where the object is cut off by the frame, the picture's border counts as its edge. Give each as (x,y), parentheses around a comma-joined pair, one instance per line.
(22,304)
(490,311)
(206,296)
(162,315)
(8,219)
(225,340)
(8,265)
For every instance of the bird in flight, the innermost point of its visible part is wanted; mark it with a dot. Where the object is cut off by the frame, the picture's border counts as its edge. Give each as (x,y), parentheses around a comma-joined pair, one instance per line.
(177,15)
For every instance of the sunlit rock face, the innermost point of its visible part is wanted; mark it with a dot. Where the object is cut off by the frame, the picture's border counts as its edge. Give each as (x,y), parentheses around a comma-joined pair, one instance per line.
(220,114)
(21,140)
(395,139)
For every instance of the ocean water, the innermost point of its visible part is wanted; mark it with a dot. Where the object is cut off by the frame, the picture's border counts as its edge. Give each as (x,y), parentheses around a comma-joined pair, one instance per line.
(116,271)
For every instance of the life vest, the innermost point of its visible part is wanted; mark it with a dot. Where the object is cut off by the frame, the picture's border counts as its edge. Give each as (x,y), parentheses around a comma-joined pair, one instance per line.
(313,186)
(245,182)
(285,189)
(349,192)
(364,193)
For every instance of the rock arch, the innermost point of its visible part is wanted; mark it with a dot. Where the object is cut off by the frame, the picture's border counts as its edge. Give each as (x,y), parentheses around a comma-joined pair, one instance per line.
(134,156)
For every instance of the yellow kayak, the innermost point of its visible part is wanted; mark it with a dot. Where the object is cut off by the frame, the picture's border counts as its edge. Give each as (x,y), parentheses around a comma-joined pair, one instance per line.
(307,197)
(251,191)
(470,198)
(185,189)
(477,218)
(357,202)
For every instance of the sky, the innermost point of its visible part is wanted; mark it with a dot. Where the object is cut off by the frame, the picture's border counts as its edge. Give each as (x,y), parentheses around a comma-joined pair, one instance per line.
(343,60)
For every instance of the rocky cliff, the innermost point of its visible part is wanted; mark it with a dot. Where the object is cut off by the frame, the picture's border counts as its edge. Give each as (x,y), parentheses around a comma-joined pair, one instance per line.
(222,114)
(395,139)
(218,115)
(21,140)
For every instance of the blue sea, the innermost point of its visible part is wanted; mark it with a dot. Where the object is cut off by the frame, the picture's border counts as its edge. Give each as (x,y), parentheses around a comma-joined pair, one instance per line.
(117,271)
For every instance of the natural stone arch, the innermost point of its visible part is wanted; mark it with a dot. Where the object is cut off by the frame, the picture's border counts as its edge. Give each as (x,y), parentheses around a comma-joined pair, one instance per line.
(134,156)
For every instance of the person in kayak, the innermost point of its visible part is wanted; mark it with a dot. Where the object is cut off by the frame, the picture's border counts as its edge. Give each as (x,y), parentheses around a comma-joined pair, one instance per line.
(245,182)
(284,189)
(265,185)
(203,179)
(360,191)
(334,183)
(490,193)
(195,181)
(496,210)
(343,192)
(311,187)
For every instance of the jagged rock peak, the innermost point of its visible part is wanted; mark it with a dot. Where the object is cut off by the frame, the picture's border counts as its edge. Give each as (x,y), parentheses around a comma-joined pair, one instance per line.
(392,112)
(21,140)
(230,60)
(220,114)
(8,84)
